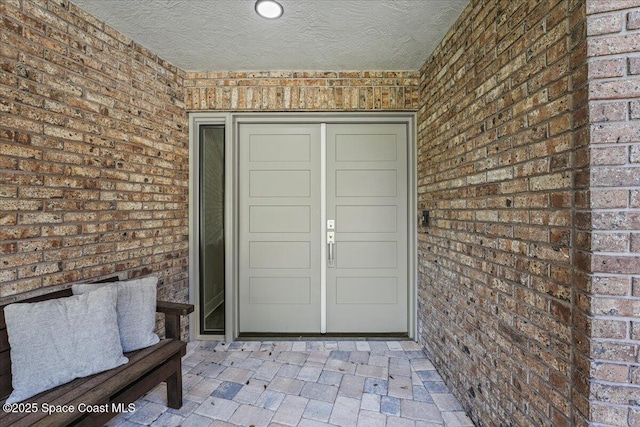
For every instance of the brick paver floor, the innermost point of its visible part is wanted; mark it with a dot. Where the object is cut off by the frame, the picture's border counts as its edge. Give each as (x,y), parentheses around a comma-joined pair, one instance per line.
(305,384)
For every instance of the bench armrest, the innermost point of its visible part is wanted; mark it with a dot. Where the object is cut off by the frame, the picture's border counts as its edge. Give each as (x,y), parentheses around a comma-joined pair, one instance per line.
(178,308)
(172,312)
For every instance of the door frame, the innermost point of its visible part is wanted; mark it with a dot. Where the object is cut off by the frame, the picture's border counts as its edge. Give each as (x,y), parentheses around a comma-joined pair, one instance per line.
(232,122)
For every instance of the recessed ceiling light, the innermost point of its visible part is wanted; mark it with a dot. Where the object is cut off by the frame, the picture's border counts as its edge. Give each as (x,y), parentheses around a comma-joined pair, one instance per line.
(270,9)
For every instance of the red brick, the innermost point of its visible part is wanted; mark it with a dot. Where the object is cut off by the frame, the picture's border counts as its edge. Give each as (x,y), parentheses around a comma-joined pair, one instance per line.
(507,152)
(58,134)
(615,176)
(616,264)
(635,331)
(603,156)
(596,6)
(633,20)
(634,110)
(611,111)
(616,89)
(610,415)
(635,243)
(600,68)
(610,372)
(612,133)
(634,65)
(604,24)
(610,242)
(612,45)
(231,93)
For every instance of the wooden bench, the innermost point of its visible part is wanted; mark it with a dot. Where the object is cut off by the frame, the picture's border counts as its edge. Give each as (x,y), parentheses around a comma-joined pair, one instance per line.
(97,398)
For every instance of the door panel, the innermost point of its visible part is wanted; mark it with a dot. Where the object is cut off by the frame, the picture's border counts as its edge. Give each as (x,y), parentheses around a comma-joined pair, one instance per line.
(365,183)
(280,183)
(366,148)
(367,197)
(279,148)
(279,255)
(281,233)
(371,254)
(280,290)
(369,290)
(279,219)
(279,281)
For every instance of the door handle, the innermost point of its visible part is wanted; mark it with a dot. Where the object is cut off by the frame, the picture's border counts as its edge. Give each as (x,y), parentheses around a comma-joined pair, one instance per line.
(331,240)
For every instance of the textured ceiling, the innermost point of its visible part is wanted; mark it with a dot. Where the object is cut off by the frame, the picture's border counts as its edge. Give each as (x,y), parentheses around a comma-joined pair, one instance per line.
(225,35)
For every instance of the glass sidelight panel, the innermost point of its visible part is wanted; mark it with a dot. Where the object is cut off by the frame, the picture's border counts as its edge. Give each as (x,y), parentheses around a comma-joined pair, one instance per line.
(212,274)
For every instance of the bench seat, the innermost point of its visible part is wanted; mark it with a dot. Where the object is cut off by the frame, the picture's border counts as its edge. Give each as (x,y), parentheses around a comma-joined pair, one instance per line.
(97,398)
(124,384)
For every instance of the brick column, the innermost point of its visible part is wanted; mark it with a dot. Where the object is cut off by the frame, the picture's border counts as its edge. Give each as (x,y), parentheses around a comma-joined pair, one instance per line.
(613,38)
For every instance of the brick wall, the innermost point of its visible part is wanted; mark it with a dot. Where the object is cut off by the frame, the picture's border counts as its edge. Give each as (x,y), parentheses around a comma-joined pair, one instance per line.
(529,275)
(499,120)
(94,154)
(611,301)
(303,91)
(529,136)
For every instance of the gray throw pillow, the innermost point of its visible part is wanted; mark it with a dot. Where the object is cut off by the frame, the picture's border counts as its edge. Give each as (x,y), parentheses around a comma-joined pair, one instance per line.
(136,310)
(56,341)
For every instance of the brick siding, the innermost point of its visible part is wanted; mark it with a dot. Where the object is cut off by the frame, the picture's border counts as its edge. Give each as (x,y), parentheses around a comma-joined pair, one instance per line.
(526,161)
(528,154)
(303,91)
(495,168)
(611,301)
(94,154)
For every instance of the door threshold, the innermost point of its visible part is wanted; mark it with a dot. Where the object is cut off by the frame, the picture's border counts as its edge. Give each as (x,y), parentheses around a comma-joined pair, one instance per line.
(383,336)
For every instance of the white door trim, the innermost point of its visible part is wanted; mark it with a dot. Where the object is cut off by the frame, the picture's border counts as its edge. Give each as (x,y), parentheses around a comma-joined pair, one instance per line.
(231,122)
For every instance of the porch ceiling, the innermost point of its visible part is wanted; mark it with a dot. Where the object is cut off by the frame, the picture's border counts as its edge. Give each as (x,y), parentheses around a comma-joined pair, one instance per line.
(225,35)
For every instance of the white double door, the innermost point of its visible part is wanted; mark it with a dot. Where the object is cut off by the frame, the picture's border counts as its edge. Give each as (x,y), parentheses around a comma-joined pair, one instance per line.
(323,228)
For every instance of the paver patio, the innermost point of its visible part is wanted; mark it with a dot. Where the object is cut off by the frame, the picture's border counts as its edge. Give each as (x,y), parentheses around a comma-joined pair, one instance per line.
(305,384)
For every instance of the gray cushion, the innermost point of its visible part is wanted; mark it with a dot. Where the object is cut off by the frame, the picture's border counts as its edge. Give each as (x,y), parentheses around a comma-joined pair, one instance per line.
(55,341)
(136,310)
